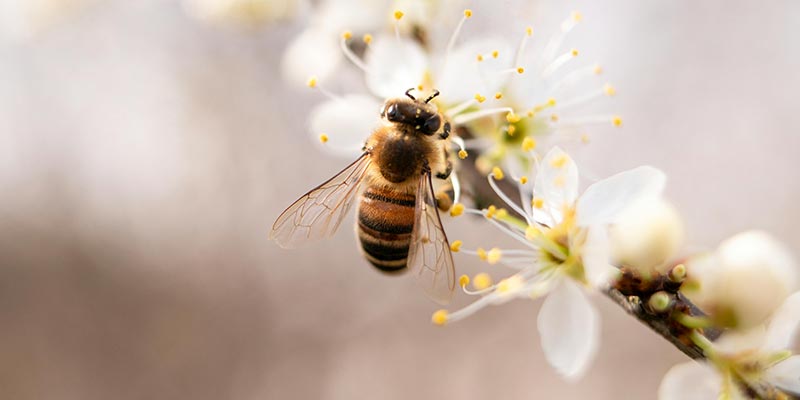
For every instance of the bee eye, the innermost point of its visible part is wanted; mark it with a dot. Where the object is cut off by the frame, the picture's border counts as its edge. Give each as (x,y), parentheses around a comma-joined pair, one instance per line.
(432,125)
(392,113)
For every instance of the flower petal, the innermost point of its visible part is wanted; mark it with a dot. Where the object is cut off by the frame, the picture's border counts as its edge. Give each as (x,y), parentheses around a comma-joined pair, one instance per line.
(315,52)
(604,200)
(783,325)
(462,76)
(734,341)
(690,381)
(346,123)
(786,375)
(556,185)
(595,257)
(569,327)
(394,65)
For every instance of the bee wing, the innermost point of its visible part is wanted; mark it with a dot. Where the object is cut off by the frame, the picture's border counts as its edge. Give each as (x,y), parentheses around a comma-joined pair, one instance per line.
(318,213)
(429,257)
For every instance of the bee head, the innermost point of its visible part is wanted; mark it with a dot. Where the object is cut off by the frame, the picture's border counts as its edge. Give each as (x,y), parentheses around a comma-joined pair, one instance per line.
(418,114)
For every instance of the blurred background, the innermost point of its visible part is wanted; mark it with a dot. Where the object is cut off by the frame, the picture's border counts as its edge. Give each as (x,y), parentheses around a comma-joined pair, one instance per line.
(147,146)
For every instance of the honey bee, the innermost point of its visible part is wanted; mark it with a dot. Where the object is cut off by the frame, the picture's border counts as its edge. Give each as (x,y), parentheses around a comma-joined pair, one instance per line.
(398,224)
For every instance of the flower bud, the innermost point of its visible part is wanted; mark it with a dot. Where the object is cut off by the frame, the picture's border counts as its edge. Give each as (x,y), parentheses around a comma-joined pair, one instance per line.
(744,281)
(646,235)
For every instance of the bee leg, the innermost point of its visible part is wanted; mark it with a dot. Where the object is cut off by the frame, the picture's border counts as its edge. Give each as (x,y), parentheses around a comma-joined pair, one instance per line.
(446,131)
(443,199)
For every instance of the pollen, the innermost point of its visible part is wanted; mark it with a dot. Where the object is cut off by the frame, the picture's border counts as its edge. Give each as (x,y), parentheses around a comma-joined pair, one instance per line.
(495,54)
(398,15)
(346,35)
(512,117)
(501,213)
(480,57)
(491,211)
(312,82)
(463,280)
(560,161)
(520,70)
(481,281)
(367,38)
(584,138)
(511,130)
(532,232)
(482,254)
(616,120)
(577,16)
(554,117)
(528,144)
(529,31)
(509,284)
(420,87)
(455,247)
(323,138)
(498,95)
(531,114)
(537,202)
(574,52)
(523,179)
(456,210)
(498,173)
(462,154)
(597,69)
(468,13)
(439,317)
(551,102)
(609,90)
(494,255)
(479,98)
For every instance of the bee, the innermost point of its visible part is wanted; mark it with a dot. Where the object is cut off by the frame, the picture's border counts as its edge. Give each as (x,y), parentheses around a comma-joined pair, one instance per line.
(398,223)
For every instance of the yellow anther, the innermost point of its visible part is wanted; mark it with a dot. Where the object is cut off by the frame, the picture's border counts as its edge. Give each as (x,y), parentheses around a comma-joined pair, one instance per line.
(482,253)
(585,138)
(494,255)
(480,57)
(498,95)
(520,70)
(367,38)
(495,54)
(559,161)
(455,247)
(312,82)
(420,87)
(554,117)
(529,31)
(498,173)
(398,15)
(439,317)
(574,52)
(501,213)
(597,70)
(532,232)
(609,90)
(616,120)
(346,35)
(511,130)
(323,138)
(490,212)
(456,210)
(523,179)
(577,16)
(463,280)
(468,13)
(551,102)
(462,154)
(479,98)
(531,114)
(528,144)
(481,281)
(537,202)
(512,117)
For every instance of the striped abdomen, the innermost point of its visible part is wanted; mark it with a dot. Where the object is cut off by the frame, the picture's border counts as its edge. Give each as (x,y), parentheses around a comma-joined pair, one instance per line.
(385,222)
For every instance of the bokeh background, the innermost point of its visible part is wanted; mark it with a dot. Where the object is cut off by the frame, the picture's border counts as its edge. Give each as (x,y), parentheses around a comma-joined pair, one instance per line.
(144,153)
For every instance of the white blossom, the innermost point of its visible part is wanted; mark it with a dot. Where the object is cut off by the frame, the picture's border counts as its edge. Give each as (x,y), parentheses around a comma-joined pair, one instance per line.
(647,235)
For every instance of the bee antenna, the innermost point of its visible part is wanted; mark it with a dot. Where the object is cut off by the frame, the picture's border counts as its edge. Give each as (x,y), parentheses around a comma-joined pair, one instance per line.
(408,93)
(431,97)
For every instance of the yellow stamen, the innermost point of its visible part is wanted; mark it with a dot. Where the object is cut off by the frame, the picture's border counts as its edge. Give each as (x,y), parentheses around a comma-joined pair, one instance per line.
(597,70)
(559,161)
(537,202)
(554,117)
(455,247)
(312,82)
(481,281)
(528,144)
(481,253)
(585,138)
(523,179)
(501,213)
(617,120)
(480,57)
(367,38)
(491,211)
(577,16)
(609,90)
(439,317)
(494,255)
(532,232)
(346,35)
(531,114)
(498,95)
(479,98)
(398,15)
(463,280)
(574,52)
(509,284)
(468,13)
(323,138)
(511,130)
(498,173)
(551,102)
(456,210)
(520,70)
(512,117)
(529,31)
(462,154)
(495,54)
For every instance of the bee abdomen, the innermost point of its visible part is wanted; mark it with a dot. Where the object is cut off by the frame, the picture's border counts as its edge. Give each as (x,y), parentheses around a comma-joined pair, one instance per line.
(385,222)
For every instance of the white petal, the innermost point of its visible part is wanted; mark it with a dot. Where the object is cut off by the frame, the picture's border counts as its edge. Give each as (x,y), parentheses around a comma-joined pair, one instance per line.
(394,66)
(346,123)
(735,341)
(605,199)
(569,327)
(462,76)
(358,16)
(556,184)
(315,52)
(783,325)
(786,375)
(690,381)
(596,255)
